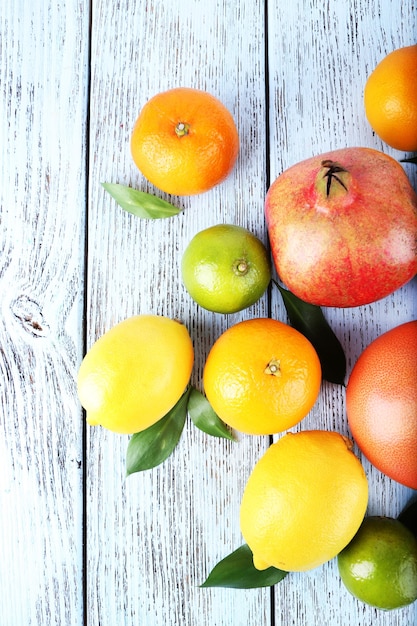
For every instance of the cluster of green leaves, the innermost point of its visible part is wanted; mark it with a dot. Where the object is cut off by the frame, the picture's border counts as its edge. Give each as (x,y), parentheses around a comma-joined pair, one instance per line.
(152,446)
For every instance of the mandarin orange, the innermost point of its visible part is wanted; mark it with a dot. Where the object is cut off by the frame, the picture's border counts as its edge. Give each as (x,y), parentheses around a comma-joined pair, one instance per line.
(390,99)
(185,141)
(262,376)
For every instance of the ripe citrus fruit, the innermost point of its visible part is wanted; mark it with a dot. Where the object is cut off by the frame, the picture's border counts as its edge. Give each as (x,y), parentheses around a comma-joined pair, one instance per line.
(225,268)
(135,373)
(262,376)
(379,566)
(304,501)
(391,99)
(184,141)
(381,403)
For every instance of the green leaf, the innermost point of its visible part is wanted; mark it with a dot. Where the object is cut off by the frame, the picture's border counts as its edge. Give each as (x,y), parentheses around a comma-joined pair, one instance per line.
(152,446)
(140,203)
(204,417)
(237,571)
(310,321)
(408,515)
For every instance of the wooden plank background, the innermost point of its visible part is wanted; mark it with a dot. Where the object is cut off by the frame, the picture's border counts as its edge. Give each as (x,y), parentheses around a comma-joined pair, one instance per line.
(80,543)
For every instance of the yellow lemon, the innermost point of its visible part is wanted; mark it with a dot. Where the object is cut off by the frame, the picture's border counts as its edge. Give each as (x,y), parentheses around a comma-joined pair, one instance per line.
(135,373)
(304,501)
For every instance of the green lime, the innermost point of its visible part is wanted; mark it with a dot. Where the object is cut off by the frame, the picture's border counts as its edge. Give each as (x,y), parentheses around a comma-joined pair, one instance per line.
(226,268)
(379,565)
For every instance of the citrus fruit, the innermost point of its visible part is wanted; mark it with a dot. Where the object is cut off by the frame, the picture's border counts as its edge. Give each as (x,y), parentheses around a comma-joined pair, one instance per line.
(379,565)
(304,501)
(184,141)
(381,403)
(390,99)
(135,373)
(262,376)
(225,268)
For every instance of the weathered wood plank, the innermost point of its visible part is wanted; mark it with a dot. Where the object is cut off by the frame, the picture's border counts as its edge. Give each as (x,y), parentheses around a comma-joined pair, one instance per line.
(153,537)
(43,74)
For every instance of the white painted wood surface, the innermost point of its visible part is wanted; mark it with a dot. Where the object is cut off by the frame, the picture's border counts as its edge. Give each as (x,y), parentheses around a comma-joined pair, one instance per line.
(80,543)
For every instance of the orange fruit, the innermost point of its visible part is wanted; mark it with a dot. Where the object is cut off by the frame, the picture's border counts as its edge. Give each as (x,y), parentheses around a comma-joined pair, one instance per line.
(304,501)
(225,268)
(379,565)
(390,99)
(135,373)
(262,376)
(184,141)
(381,403)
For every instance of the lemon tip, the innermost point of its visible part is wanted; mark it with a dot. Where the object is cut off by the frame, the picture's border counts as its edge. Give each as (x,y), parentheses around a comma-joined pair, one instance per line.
(91,420)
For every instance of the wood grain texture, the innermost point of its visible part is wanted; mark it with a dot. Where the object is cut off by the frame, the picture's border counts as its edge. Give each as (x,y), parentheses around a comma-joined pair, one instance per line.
(43,121)
(152,538)
(168,527)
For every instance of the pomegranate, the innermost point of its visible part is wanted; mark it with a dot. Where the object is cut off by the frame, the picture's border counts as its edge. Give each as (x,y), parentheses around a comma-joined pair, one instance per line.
(343,227)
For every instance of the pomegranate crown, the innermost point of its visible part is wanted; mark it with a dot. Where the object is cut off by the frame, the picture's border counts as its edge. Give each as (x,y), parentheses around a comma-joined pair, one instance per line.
(333,169)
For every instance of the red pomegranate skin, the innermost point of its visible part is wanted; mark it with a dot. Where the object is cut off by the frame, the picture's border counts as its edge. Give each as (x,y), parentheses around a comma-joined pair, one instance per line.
(352,243)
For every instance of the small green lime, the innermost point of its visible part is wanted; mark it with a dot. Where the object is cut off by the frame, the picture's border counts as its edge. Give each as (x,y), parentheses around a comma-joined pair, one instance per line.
(226,268)
(379,565)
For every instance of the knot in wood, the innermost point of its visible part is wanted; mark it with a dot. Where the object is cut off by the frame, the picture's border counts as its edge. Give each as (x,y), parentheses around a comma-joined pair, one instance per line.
(29,314)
